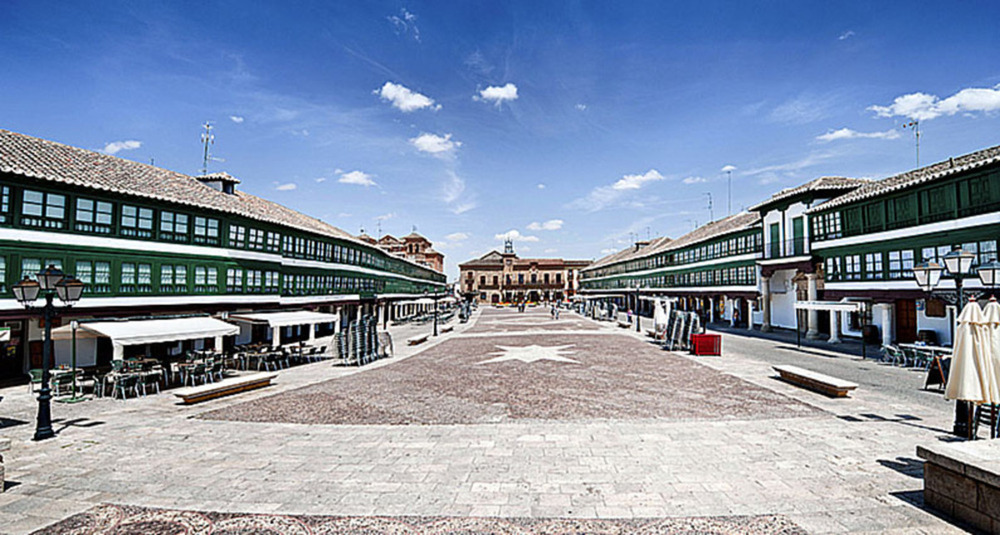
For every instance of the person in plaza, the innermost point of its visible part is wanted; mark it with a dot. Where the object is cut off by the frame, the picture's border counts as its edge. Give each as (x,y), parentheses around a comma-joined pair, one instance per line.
(629,315)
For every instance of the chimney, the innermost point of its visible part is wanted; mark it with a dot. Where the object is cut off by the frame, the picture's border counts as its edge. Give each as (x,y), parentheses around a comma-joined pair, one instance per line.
(223,182)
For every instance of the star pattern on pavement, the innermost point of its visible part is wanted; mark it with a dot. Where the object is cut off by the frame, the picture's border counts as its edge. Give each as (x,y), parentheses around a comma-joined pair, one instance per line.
(532,353)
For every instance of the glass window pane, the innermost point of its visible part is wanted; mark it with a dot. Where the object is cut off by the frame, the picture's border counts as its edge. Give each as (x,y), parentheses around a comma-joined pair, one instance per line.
(32,204)
(102,272)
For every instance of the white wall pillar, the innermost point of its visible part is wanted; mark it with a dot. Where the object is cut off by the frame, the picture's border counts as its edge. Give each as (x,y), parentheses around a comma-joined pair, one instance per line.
(886,324)
(765,325)
(276,338)
(711,310)
(813,315)
(218,344)
(834,327)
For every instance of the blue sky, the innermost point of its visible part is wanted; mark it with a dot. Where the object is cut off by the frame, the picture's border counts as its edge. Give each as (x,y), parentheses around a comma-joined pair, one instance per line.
(570,124)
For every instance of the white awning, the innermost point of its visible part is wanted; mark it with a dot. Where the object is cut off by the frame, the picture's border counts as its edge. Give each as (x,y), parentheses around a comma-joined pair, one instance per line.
(284,319)
(838,306)
(149,331)
(421,301)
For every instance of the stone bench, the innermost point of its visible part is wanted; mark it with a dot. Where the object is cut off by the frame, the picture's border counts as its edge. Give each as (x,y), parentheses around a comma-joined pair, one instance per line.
(624,324)
(962,481)
(447,328)
(819,382)
(414,340)
(225,387)
(4,446)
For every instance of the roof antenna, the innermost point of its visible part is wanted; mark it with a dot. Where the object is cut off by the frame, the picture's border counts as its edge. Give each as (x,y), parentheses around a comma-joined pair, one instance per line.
(711,215)
(208,138)
(915,125)
(378,225)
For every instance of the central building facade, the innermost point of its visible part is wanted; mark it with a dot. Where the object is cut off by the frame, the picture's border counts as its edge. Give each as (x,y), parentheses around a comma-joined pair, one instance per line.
(497,278)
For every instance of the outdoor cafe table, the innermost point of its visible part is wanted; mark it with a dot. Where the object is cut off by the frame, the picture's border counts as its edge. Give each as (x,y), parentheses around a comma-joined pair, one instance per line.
(933,349)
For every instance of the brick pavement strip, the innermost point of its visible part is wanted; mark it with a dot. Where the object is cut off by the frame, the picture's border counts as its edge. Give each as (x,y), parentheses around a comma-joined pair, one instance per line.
(771,470)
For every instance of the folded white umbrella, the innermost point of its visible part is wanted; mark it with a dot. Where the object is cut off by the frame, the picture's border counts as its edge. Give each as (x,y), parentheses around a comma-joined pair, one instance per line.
(659,316)
(971,360)
(992,314)
(965,378)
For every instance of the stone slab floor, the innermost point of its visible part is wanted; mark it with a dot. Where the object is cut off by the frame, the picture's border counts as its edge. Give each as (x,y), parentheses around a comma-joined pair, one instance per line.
(502,426)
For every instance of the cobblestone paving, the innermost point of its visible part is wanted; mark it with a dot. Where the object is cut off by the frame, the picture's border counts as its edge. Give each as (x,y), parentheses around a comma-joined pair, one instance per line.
(846,467)
(123,520)
(537,320)
(612,377)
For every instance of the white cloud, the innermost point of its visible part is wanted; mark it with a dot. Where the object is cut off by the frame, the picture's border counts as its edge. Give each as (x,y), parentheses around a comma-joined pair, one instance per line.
(922,106)
(581,107)
(405,23)
(605,196)
(541,186)
(117,146)
(288,186)
(463,207)
(552,224)
(457,236)
(357,178)
(404,99)
(236,119)
(728,169)
(637,181)
(694,180)
(344,214)
(384,217)
(435,144)
(803,109)
(498,94)
(846,35)
(609,250)
(514,235)
(320,180)
(550,250)
(791,167)
(847,133)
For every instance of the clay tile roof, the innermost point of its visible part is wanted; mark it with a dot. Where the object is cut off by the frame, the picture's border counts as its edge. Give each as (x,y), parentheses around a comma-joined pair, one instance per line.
(55,162)
(939,170)
(629,253)
(824,183)
(727,225)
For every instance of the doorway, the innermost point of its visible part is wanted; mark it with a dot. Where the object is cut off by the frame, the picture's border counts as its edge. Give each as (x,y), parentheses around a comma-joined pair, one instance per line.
(906,320)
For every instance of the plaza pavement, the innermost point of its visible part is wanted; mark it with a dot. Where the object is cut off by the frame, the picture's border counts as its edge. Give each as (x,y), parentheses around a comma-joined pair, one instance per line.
(801,461)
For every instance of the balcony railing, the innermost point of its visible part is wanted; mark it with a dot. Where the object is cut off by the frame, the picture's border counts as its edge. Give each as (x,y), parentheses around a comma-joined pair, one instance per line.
(786,248)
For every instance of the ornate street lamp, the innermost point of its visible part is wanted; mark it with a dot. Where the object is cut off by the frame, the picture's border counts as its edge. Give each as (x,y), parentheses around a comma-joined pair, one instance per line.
(51,282)
(958,264)
(989,273)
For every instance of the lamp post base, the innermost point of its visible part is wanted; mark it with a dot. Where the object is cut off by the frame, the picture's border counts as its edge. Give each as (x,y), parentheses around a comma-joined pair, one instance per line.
(963,420)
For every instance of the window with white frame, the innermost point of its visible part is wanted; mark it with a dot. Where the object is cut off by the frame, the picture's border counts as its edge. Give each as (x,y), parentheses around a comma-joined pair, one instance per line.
(873,265)
(237,236)
(136,222)
(46,210)
(173,226)
(93,216)
(206,230)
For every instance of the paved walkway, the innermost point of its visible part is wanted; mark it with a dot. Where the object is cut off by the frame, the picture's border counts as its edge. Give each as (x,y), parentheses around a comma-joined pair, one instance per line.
(846,466)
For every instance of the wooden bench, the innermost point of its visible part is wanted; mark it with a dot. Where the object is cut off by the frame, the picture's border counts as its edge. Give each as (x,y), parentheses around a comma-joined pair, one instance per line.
(225,387)
(447,328)
(819,382)
(4,446)
(419,339)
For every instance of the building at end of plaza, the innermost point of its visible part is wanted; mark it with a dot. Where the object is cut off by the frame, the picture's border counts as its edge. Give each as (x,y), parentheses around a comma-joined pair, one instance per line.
(413,247)
(498,278)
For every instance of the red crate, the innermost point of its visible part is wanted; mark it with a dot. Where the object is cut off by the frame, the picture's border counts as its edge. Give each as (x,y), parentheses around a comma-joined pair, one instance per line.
(706,344)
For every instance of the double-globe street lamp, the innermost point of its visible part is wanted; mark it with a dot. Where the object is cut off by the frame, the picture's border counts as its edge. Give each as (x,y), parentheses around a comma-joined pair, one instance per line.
(51,282)
(958,265)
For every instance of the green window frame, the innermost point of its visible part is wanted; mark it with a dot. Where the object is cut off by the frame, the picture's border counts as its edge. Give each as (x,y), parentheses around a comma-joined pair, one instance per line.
(4,204)
(873,266)
(43,210)
(206,230)
(174,226)
(93,216)
(3,274)
(136,222)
